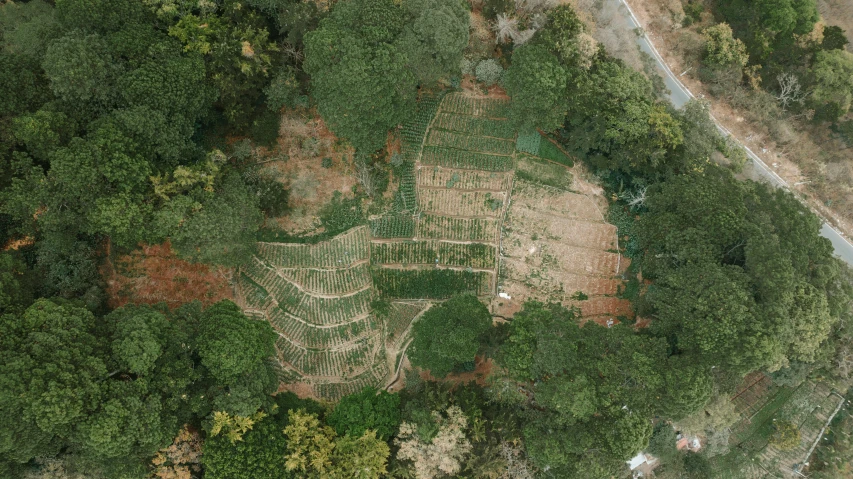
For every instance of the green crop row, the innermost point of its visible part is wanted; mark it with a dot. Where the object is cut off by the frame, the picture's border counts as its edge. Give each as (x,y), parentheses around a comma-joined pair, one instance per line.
(335,391)
(393,226)
(415,126)
(529,142)
(488,107)
(474,255)
(338,252)
(400,316)
(473,125)
(329,281)
(405,199)
(462,141)
(429,283)
(550,151)
(453,158)
(459,229)
(309,336)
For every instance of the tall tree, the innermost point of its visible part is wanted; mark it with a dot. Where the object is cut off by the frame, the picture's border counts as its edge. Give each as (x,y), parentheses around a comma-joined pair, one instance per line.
(448,334)
(537,84)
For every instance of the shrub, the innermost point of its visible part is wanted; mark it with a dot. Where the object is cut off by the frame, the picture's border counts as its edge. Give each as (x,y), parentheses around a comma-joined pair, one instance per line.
(489,72)
(786,435)
(467,66)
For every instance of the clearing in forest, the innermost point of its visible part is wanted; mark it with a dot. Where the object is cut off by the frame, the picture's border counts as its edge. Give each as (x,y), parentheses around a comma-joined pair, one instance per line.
(318,299)
(557,247)
(458,163)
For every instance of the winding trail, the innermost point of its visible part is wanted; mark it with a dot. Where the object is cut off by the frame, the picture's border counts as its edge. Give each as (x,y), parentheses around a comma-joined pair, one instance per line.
(679,95)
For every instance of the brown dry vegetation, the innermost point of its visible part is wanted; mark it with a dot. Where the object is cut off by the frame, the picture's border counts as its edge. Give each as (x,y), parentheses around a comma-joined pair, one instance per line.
(305,140)
(154,274)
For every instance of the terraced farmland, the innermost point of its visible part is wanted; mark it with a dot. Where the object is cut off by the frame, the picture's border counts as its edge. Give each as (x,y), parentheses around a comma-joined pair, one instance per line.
(463,173)
(317,298)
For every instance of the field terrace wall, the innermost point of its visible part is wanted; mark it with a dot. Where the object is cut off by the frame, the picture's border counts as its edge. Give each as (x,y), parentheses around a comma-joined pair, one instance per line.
(317,298)
(464,172)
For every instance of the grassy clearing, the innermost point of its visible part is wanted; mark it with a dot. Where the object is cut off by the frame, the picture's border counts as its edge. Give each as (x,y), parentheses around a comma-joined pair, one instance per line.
(536,170)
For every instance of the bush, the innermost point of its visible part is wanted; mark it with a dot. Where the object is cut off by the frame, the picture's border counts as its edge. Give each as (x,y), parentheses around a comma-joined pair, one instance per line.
(489,72)
(467,66)
(786,435)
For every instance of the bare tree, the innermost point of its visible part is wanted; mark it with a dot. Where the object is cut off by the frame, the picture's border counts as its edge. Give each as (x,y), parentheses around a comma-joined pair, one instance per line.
(367,176)
(790,90)
(506,28)
(636,198)
(523,36)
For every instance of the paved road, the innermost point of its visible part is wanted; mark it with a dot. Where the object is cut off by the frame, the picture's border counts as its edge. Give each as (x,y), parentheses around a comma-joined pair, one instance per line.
(679,95)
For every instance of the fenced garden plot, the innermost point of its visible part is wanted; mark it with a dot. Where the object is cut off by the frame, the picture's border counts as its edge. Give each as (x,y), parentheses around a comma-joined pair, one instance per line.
(458,229)
(473,125)
(482,144)
(453,158)
(310,336)
(485,107)
(474,255)
(399,317)
(329,281)
(461,203)
(429,283)
(535,170)
(438,177)
(393,226)
(339,252)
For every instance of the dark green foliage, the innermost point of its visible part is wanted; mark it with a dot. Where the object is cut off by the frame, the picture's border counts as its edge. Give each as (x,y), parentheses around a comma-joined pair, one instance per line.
(260,454)
(692,12)
(231,345)
(834,38)
(491,8)
(264,129)
(434,38)
(341,214)
(447,334)
(769,26)
(393,226)
(283,90)
(368,409)
(550,151)
(528,142)
(536,82)
(358,69)
(427,283)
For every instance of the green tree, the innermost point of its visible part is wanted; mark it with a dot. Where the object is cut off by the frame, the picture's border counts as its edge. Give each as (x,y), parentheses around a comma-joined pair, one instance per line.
(260,454)
(447,334)
(434,38)
(834,38)
(51,374)
(25,28)
(81,69)
(358,71)
(722,50)
(213,227)
(832,73)
(368,409)
(537,84)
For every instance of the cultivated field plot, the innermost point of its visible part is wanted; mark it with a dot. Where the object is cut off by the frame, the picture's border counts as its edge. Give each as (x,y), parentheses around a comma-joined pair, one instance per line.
(482,107)
(473,125)
(461,203)
(473,255)
(398,320)
(761,403)
(432,283)
(484,230)
(438,177)
(317,298)
(462,141)
(453,158)
(339,252)
(556,244)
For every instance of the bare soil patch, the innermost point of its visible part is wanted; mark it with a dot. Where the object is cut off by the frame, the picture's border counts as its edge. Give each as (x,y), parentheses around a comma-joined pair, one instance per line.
(154,274)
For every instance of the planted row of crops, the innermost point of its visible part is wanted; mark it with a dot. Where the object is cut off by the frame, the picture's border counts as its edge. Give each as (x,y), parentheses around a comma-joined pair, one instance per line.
(415,127)
(310,336)
(461,202)
(353,359)
(486,107)
(406,198)
(429,283)
(393,226)
(329,281)
(458,229)
(474,255)
(339,252)
(438,177)
(398,319)
(483,144)
(468,160)
(473,125)
(334,391)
